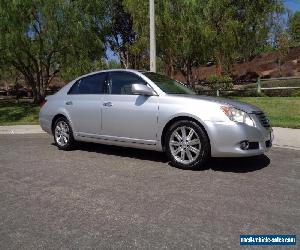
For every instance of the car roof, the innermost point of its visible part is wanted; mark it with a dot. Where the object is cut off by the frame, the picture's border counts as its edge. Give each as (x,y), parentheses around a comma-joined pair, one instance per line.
(113,70)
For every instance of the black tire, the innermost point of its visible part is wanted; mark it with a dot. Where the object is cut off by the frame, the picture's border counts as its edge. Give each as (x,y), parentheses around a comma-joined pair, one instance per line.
(71,142)
(204,147)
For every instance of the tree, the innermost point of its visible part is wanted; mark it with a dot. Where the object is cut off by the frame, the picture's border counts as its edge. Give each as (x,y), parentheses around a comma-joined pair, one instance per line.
(41,38)
(239,28)
(184,41)
(219,15)
(294,28)
(121,36)
(283,46)
(260,22)
(139,49)
(189,33)
(181,33)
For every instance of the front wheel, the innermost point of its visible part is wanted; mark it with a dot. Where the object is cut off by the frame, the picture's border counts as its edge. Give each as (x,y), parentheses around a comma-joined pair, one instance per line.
(63,134)
(187,145)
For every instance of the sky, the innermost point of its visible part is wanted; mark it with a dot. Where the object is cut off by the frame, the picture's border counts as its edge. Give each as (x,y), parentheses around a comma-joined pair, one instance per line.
(111,56)
(293,5)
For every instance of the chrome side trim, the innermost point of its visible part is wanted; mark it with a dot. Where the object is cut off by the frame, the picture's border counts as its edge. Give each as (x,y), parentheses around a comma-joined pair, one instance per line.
(108,140)
(117,139)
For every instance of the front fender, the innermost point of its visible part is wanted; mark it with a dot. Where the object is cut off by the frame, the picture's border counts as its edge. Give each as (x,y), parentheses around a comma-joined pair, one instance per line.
(165,123)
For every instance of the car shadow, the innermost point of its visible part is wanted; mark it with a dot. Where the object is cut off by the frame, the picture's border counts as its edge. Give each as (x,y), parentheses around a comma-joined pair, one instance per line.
(134,153)
(239,165)
(235,165)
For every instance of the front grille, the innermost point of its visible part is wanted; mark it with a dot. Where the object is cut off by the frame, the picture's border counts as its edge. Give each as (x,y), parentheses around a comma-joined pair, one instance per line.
(264,121)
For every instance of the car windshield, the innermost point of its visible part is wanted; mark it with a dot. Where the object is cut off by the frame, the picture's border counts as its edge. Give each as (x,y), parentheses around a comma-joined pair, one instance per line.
(168,85)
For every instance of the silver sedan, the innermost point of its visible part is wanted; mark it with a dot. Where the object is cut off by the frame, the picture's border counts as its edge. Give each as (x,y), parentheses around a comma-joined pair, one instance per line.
(150,111)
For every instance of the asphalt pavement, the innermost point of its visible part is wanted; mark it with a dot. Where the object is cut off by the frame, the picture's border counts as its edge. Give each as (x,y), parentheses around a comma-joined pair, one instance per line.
(105,197)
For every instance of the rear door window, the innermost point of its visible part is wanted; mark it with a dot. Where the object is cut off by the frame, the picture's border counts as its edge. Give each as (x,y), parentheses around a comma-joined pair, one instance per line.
(89,85)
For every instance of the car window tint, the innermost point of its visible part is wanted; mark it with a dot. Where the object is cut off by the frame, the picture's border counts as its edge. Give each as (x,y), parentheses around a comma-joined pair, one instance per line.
(121,82)
(93,84)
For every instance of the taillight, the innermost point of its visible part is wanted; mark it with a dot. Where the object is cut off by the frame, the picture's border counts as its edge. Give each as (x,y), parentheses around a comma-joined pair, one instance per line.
(43,103)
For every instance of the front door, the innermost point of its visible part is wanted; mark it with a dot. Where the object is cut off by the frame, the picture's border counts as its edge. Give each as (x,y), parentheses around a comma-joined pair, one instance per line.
(128,117)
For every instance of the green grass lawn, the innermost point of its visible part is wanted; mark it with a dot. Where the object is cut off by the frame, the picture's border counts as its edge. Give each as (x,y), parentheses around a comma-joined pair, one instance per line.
(12,113)
(282,111)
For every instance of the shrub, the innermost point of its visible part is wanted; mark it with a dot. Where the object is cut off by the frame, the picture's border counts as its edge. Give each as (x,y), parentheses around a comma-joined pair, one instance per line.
(219,82)
(296,93)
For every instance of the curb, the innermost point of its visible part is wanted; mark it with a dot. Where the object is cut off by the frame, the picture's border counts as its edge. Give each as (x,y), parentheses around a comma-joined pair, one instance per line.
(286,138)
(285,146)
(21,129)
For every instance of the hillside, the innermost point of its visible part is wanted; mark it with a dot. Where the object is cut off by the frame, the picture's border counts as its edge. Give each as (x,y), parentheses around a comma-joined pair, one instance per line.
(265,65)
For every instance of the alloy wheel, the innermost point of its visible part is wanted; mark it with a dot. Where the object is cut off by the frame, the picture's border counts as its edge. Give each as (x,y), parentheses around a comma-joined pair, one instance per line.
(185,145)
(62,133)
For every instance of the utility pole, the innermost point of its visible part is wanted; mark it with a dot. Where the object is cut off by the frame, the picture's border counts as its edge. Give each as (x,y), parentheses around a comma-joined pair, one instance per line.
(152,37)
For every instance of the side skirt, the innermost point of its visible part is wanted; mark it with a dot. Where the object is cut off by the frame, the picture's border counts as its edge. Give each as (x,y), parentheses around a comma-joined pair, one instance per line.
(119,141)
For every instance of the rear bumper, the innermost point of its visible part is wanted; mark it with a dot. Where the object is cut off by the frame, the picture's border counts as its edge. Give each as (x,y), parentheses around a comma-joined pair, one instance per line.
(226,138)
(45,123)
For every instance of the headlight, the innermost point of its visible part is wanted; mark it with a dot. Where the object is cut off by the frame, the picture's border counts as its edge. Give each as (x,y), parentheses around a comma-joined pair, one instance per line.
(237,115)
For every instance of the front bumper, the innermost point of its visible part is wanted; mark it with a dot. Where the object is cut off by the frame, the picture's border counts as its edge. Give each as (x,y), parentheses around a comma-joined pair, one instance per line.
(226,138)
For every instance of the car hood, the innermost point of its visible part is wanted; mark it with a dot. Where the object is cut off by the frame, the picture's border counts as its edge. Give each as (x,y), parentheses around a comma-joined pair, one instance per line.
(236,104)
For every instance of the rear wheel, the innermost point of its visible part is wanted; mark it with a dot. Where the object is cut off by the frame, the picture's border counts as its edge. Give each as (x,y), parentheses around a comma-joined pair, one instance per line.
(63,134)
(187,145)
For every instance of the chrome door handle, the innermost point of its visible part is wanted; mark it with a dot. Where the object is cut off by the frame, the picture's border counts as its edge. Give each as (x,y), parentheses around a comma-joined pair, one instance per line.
(69,103)
(107,104)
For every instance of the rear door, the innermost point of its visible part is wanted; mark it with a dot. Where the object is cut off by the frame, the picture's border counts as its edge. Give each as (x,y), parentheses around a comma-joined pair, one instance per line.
(84,102)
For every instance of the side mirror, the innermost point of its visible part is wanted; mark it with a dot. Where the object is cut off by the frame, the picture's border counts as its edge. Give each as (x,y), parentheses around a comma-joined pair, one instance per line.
(141,89)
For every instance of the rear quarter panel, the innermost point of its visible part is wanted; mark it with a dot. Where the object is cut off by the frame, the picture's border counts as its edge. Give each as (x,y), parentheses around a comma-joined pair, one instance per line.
(54,106)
